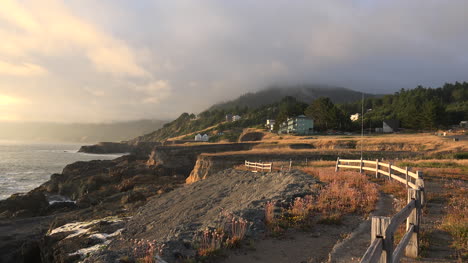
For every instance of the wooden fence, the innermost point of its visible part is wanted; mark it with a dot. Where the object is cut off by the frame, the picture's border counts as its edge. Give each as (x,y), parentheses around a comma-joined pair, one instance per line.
(261,166)
(383,228)
(405,176)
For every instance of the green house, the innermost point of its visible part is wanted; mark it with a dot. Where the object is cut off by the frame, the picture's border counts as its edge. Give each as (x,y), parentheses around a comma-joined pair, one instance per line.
(300,125)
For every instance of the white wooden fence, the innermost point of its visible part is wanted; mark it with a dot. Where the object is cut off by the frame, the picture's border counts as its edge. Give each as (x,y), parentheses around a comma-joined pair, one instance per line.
(260,166)
(383,228)
(405,176)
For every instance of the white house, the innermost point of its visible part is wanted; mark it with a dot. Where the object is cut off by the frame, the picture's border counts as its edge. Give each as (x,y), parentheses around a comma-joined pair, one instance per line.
(198,137)
(355,117)
(236,118)
(270,124)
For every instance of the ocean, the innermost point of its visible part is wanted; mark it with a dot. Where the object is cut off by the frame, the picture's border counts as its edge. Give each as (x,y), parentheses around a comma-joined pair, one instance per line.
(25,166)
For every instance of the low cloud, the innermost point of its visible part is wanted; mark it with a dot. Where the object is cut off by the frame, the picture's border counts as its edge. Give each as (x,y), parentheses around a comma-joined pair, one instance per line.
(115,60)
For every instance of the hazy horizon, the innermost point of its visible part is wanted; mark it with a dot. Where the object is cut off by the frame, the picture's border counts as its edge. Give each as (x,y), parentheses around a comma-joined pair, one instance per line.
(88,62)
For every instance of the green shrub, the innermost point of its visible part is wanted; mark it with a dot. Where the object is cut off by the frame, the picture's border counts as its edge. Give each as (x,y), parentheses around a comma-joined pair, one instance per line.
(463,155)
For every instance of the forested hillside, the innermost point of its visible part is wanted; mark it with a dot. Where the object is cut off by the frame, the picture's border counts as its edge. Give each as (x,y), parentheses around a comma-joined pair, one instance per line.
(419,108)
(187,123)
(303,93)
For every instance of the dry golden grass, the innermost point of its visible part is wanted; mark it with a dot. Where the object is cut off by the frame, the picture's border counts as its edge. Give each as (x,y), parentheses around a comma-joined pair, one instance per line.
(397,189)
(424,143)
(346,192)
(456,218)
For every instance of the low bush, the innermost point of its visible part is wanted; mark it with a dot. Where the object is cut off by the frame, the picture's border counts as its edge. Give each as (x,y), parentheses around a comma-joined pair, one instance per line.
(145,251)
(462,155)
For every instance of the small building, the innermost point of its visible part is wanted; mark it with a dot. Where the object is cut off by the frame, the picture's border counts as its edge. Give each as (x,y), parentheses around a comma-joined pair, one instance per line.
(202,138)
(464,124)
(236,118)
(300,125)
(390,126)
(229,117)
(270,125)
(355,117)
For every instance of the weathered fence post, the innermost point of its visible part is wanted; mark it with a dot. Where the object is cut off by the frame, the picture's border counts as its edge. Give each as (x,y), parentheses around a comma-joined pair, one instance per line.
(420,184)
(306,162)
(413,219)
(378,228)
(360,166)
(290,164)
(377,168)
(337,164)
(406,173)
(389,170)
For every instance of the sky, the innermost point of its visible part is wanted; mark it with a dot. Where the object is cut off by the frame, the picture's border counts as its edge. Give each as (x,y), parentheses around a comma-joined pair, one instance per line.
(116,60)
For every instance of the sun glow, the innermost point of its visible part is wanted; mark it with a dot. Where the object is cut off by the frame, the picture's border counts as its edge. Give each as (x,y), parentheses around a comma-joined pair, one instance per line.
(9,100)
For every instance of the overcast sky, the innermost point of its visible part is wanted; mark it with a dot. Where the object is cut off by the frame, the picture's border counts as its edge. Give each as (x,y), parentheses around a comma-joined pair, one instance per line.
(91,61)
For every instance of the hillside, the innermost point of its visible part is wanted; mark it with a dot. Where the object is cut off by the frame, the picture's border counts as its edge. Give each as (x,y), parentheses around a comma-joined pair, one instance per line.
(254,108)
(304,93)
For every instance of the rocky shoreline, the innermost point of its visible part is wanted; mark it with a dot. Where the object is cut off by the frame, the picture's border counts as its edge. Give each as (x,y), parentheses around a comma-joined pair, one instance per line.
(124,193)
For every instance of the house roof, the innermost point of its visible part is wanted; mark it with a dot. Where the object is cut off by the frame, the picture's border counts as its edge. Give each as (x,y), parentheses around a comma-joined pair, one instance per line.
(394,124)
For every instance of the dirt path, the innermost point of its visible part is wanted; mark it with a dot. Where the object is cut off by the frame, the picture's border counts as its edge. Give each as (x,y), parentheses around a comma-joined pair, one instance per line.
(296,246)
(325,243)
(435,245)
(352,248)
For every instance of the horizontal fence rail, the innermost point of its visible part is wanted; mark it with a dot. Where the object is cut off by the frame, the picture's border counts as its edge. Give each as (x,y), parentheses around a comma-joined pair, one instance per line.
(404,176)
(260,166)
(383,228)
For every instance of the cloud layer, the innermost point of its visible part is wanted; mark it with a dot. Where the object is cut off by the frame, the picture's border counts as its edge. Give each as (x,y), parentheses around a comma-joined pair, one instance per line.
(119,60)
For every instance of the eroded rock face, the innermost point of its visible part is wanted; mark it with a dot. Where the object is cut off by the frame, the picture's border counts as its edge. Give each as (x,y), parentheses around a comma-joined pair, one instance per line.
(208,165)
(182,159)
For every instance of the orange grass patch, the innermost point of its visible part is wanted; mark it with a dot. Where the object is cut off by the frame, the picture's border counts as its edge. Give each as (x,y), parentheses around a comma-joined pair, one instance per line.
(346,192)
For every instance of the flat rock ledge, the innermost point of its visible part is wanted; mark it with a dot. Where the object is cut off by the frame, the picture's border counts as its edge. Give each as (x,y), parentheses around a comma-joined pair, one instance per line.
(175,218)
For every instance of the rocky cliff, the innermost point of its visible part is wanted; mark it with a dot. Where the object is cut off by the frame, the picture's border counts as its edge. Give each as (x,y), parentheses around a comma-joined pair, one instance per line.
(182,159)
(140,148)
(82,192)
